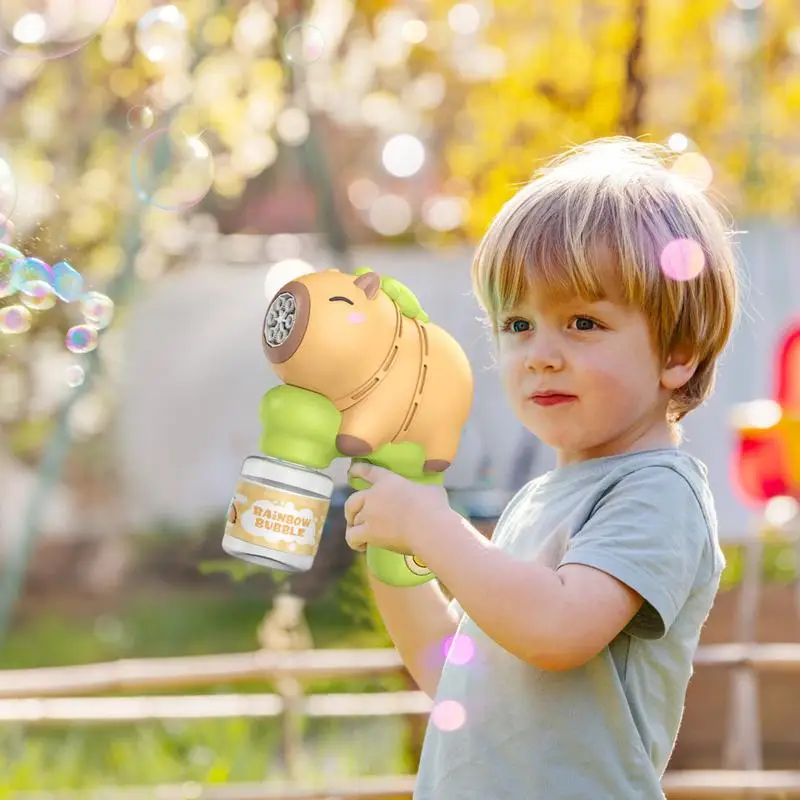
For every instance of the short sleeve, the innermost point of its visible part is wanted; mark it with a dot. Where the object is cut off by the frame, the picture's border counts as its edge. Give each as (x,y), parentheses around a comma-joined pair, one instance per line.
(649,532)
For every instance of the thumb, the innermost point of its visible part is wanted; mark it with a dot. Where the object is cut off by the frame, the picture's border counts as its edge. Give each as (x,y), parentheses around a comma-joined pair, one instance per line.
(368,472)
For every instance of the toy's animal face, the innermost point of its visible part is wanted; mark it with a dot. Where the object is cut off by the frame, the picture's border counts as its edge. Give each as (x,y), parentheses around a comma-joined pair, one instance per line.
(319,327)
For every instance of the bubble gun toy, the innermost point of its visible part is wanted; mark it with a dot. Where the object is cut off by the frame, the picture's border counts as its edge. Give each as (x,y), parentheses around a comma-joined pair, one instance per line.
(365,376)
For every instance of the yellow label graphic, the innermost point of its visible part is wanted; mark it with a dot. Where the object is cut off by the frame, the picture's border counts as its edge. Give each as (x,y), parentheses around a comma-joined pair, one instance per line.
(276,518)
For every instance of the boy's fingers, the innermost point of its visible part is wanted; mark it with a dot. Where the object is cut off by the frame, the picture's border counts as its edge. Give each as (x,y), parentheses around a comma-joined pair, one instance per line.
(352,507)
(368,472)
(356,538)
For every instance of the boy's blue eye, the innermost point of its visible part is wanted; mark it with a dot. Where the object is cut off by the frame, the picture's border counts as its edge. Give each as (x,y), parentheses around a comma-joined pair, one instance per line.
(516,326)
(585,324)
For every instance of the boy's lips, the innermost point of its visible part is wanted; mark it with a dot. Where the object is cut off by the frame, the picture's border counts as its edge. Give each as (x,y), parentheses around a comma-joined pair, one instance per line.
(551,398)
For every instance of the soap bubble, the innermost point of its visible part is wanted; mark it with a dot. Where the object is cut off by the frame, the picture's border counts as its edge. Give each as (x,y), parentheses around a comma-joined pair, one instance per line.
(37,295)
(97,309)
(48,29)
(29,270)
(161,33)
(8,257)
(682,259)
(172,171)
(67,281)
(303,44)
(8,188)
(141,118)
(15,319)
(74,375)
(448,715)
(81,339)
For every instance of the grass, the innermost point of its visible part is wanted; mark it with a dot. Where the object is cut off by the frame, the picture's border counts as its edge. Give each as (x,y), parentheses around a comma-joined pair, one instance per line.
(214,751)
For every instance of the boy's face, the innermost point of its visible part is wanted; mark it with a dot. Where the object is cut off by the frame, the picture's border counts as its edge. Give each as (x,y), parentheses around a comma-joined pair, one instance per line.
(596,360)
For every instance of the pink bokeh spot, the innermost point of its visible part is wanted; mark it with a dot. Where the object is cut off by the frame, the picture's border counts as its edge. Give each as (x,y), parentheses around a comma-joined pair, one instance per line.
(448,715)
(682,259)
(356,317)
(459,649)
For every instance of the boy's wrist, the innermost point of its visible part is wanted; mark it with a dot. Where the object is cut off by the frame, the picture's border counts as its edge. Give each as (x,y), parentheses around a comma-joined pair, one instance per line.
(440,538)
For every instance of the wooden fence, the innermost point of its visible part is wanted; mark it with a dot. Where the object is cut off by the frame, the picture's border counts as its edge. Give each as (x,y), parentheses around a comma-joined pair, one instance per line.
(67,696)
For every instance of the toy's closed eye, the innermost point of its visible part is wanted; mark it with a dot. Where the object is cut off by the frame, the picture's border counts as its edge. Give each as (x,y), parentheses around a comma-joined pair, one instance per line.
(343,299)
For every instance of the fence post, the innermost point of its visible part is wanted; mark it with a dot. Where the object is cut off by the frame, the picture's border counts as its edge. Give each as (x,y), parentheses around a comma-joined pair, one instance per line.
(285,628)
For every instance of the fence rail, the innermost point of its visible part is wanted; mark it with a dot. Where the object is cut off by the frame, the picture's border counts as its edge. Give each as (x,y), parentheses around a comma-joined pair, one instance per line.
(694,784)
(63,696)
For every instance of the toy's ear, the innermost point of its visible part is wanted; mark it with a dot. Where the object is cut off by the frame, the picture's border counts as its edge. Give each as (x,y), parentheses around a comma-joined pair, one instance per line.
(369,283)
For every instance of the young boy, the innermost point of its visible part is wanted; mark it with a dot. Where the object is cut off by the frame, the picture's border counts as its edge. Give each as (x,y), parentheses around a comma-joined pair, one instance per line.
(611,287)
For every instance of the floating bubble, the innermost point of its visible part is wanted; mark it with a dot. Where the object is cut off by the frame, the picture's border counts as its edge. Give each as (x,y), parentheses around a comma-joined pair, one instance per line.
(141,118)
(29,270)
(67,281)
(8,188)
(9,256)
(459,649)
(682,259)
(695,168)
(448,715)
(15,319)
(37,295)
(74,375)
(172,171)
(97,309)
(161,33)
(47,29)
(303,44)
(81,339)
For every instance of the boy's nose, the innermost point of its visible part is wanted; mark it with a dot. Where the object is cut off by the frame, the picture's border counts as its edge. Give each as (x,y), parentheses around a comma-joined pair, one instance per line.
(543,355)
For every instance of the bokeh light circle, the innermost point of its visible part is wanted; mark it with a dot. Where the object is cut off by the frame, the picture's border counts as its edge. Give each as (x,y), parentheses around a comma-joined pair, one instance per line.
(37,295)
(281,272)
(695,168)
(172,170)
(9,256)
(448,715)
(141,118)
(97,309)
(459,649)
(48,29)
(682,259)
(161,33)
(303,44)
(15,319)
(81,339)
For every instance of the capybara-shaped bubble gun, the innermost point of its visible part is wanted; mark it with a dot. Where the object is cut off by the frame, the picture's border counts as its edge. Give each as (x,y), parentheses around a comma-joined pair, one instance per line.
(365,376)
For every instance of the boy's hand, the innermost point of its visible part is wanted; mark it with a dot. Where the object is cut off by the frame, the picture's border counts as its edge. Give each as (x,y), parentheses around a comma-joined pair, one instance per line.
(393,513)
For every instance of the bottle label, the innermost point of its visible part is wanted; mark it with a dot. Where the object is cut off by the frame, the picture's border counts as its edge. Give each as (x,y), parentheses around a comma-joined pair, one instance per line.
(276,518)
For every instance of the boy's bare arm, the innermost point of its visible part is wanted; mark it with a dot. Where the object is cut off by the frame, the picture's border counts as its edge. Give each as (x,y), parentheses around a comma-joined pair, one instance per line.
(418,621)
(552,619)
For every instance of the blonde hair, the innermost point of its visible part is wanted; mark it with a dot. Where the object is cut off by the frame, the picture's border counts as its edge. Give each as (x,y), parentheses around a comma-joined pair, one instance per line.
(605,211)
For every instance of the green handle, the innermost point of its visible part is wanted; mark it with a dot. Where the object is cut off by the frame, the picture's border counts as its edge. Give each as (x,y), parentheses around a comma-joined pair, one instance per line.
(300,426)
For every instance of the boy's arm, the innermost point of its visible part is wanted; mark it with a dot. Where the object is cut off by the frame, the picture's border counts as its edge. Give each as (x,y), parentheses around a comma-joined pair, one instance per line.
(555,620)
(630,567)
(418,620)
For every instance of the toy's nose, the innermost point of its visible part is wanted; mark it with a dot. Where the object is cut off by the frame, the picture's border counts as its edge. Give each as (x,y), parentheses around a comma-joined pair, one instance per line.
(285,322)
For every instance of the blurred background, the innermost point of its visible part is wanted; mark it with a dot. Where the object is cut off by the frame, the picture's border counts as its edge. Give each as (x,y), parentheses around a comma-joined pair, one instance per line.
(169,167)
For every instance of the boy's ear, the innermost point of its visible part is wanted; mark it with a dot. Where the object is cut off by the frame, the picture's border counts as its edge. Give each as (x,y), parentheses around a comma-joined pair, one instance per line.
(680,367)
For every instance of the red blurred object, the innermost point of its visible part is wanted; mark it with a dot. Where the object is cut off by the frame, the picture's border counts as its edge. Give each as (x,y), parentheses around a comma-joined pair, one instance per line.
(766,459)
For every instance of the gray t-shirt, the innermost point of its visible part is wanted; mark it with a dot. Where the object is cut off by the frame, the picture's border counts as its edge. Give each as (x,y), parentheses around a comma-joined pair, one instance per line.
(604,730)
